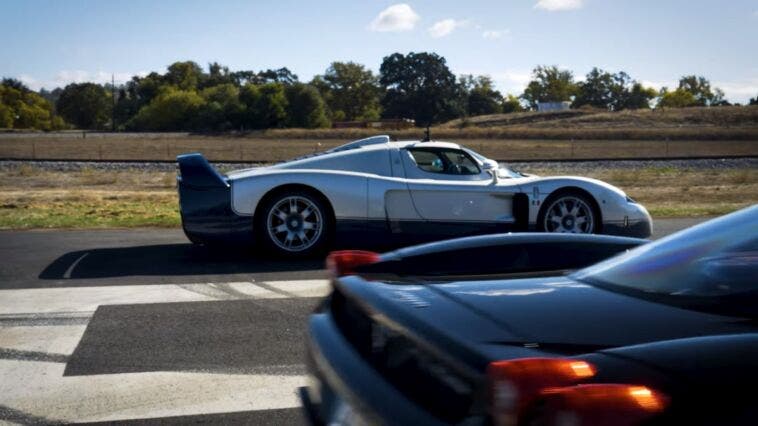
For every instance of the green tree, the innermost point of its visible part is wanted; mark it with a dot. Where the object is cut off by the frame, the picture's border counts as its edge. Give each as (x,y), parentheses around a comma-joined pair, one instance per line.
(173,109)
(511,104)
(305,107)
(480,96)
(185,75)
(638,97)
(222,109)
(20,108)
(419,86)
(601,89)
(85,105)
(217,75)
(754,101)
(701,89)
(144,89)
(14,84)
(679,98)
(350,90)
(266,105)
(549,84)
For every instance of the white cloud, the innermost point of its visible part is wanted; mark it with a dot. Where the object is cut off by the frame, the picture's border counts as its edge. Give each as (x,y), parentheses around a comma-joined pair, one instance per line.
(509,81)
(557,5)
(66,77)
(738,91)
(445,27)
(396,18)
(495,34)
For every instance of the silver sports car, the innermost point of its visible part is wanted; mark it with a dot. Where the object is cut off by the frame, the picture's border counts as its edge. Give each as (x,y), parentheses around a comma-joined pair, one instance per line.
(374,192)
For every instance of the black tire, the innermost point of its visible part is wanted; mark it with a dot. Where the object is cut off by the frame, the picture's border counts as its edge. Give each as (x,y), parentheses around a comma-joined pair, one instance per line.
(290,236)
(569,223)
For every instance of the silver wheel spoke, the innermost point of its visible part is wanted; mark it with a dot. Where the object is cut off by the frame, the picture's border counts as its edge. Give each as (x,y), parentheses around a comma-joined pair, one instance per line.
(569,214)
(294,223)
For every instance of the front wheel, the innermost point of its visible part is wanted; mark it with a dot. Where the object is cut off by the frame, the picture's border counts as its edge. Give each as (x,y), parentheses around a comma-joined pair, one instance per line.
(569,213)
(294,224)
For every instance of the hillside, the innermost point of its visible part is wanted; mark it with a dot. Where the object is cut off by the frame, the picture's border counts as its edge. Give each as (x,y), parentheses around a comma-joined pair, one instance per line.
(734,116)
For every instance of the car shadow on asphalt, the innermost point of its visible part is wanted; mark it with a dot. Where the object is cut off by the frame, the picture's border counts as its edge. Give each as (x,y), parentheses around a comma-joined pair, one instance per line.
(252,336)
(169,260)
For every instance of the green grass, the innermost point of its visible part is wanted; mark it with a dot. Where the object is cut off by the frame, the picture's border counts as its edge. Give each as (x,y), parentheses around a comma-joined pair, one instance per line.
(85,211)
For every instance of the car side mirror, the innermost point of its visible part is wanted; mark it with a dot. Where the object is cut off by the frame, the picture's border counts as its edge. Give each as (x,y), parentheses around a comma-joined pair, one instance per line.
(491,167)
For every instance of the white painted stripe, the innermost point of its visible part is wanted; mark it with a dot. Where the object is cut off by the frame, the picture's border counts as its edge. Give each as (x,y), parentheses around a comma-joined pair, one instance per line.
(87,299)
(70,269)
(48,339)
(111,397)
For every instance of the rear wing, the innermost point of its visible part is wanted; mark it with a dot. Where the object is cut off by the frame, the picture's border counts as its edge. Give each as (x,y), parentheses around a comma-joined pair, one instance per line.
(499,254)
(196,171)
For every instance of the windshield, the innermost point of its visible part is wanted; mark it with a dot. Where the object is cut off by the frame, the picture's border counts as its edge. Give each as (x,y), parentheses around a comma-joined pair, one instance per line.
(504,171)
(715,261)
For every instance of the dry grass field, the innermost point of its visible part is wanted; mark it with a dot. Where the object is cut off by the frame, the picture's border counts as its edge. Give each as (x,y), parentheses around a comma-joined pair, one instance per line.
(31,197)
(574,134)
(248,149)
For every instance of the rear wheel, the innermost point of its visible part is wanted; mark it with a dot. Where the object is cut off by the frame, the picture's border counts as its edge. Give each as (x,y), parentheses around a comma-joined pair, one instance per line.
(294,224)
(570,212)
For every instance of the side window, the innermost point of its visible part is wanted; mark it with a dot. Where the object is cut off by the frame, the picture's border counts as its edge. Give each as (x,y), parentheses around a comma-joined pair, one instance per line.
(446,161)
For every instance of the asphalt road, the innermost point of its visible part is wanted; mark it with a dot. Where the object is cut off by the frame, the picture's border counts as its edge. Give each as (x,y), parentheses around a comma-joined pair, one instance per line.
(138,325)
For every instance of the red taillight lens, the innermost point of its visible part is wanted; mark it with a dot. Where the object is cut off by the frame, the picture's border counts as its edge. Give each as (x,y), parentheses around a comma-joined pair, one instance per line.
(516,383)
(344,262)
(602,404)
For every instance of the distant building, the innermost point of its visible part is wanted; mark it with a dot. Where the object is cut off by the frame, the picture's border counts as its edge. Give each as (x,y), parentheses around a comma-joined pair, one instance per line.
(553,106)
(392,123)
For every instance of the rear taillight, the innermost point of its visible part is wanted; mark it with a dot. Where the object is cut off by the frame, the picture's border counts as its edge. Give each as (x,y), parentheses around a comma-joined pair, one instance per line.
(344,262)
(517,385)
(602,404)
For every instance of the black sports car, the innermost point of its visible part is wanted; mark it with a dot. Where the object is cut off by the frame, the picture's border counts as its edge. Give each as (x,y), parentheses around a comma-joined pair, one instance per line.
(488,331)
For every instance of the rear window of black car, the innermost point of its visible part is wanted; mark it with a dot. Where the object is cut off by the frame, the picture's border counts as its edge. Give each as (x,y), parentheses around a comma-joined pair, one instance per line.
(715,263)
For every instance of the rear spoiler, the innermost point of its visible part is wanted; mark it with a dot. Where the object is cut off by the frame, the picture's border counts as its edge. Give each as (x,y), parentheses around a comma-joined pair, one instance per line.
(195,171)
(499,254)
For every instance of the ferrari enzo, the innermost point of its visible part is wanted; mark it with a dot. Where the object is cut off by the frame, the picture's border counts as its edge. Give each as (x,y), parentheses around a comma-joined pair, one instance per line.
(662,333)
(374,192)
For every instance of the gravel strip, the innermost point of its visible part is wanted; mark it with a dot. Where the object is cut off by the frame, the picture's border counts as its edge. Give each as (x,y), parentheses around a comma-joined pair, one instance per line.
(574,167)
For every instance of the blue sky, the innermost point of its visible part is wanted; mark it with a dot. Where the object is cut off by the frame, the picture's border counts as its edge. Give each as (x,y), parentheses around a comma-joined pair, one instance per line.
(49,43)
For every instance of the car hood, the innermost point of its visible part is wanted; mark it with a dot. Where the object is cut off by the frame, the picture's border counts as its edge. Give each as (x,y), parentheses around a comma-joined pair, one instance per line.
(562,313)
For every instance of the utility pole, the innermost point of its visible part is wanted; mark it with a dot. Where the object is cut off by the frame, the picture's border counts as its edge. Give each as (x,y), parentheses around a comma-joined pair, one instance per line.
(113,99)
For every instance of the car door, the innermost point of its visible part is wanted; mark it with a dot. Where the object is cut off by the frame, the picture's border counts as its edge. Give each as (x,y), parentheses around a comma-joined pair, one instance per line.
(448,187)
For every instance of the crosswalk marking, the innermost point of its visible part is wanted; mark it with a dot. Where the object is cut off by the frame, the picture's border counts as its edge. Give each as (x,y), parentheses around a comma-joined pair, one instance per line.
(41,328)
(47,393)
(87,299)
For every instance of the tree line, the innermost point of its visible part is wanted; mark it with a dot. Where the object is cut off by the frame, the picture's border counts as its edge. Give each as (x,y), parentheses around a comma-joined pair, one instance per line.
(418,86)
